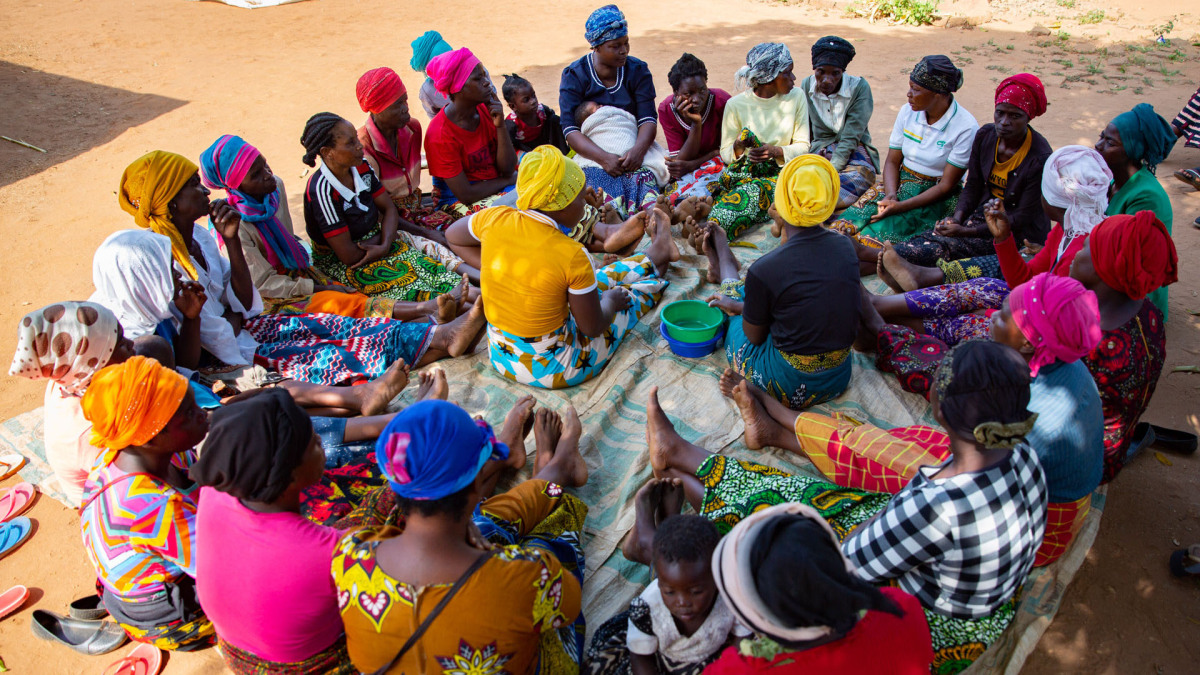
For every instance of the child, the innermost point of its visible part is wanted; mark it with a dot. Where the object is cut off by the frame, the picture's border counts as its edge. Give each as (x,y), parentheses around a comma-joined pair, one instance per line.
(530,123)
(615,131)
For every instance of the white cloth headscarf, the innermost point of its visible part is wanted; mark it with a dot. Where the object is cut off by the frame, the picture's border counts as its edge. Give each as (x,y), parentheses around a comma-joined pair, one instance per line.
(66,342)
(1076,178)
(764,63)
(132,274)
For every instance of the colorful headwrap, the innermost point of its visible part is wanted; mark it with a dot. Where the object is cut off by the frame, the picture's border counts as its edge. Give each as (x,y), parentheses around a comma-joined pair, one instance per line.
(223,166)
(983,392)
(147,187)
(764,63)
(1147,137)
(806,192)
(832,50)
(129,403)
(429,45)
(604,24)
(433,449)
(66,342)
(547,180)
(1059,317)
(1024,91)
(1134,254)
(1076,178)
(450,71)
(378,89)
(938,74)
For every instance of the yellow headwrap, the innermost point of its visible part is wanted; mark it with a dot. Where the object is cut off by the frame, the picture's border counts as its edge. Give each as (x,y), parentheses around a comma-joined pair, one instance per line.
(129,403)
(806,192)
(547,180)
(147,186)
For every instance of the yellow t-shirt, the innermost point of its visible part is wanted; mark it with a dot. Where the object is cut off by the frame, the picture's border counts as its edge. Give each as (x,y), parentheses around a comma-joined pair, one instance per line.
(529,268)
(998,180)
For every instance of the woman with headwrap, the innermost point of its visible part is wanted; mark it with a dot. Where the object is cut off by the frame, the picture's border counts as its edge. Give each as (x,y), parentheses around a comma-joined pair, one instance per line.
(961,536)
(691,122)
(928,152)
(1134,144)
(782,573)
(797,312)
(764,127)
(425,47)
(609,76)
(512,606)
(553,320)
(839,109)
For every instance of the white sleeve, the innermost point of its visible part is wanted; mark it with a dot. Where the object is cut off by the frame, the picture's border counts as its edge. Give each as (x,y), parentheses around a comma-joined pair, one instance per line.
(960,152)
(896,140)
(639,642)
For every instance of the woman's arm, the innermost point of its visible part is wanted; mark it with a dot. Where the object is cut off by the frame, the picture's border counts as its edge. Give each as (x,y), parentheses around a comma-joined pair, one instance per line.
(463,243)
(801,135)
(506,159)
(189,300)
(632,160)
(973,192)
(228,221)
(862,106)
(469,193)
(756,334)
(266,279)
(731,129)
(593,312)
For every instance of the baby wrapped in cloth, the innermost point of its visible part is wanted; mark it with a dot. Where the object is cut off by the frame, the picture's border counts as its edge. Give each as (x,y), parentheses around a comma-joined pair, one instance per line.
(615,130)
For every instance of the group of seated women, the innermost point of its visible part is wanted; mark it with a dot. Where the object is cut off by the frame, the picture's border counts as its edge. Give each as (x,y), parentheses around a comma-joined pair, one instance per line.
(1028,308)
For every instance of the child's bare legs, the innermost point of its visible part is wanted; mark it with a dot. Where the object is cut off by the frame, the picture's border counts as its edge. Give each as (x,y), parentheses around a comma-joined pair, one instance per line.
(557,459)
(655,501)
(457,337)
(368,399)
(433,386)
(670,455)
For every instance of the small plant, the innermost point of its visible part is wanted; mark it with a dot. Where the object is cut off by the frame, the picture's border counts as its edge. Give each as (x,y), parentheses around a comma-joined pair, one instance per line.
(1063,36)
(1178,55)
(1064,63)
(1136,60)
(1094,16)
(1010,47)
(911,12)
(1092,67)
(999,68)
(1069,4)
(1147,81)
(1163,28)
(1166,72)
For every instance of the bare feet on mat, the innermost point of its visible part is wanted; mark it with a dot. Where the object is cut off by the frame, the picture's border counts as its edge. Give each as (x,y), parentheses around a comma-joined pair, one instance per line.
(592,198)
(517,425)
(662,249)
(776,222)
(671,503)
(547,430)
(757,422)
(378,393)
(730,379)
(905,275)
(610,214)
(567,467)
(465,330)
(652,504)
(707,240)
(447,308)
(630,233)
(661,437)
(432,385)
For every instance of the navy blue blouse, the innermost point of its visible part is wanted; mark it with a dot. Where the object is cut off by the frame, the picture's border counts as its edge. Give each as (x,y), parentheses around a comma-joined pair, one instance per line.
(634,91)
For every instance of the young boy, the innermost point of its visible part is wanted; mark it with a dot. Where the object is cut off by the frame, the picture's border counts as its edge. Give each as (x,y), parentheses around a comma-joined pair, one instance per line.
(530,123)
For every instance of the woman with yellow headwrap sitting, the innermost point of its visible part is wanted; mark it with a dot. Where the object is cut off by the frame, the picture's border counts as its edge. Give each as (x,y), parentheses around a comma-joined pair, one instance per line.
(797,312)
(553,320)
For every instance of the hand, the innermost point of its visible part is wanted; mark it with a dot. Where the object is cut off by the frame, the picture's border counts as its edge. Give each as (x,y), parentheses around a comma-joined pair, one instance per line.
(226,219)
(678,168)
(997,220)
(189,298)
(1031,248)
(764,153)
(949,227)
(632,160)
(738,148)
(476,539)
(611,164)
(725,304)
(688,111)
(373,252)
(888,206)
(616,298)
(497,112)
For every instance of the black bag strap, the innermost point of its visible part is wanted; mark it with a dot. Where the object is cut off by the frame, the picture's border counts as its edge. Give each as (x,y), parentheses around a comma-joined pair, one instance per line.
(462,581)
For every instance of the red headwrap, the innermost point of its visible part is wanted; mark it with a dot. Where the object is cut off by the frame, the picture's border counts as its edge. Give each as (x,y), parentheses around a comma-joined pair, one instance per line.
(1024,91)
(1134,254)
(378,89)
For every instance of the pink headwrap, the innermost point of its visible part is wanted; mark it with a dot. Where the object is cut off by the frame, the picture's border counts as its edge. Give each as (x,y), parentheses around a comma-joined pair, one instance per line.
(378,89)
(1059,317)
(451,70)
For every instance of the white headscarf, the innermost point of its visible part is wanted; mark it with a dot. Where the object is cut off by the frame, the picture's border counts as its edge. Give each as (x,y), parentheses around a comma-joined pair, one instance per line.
(66,342)
(1076,178)
(132,274)
(764,63)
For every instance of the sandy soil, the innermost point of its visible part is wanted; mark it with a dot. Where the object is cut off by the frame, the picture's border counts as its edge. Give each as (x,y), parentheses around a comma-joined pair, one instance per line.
(98,82)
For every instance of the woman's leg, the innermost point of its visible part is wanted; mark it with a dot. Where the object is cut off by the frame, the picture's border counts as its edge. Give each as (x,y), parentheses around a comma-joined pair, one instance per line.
(368,399)
(902,275)
(762,428)
(457,337)
(714,243)
(557,459)
(670,455)
(433,386)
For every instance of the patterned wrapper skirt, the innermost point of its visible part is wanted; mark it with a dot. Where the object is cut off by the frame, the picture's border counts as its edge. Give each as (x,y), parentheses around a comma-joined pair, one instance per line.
(958,271)
(171,619)
(448,203)
(335,660)
(567,357)
(857,177)
(744,192)
(902,226)
(352,305)
(949,311)
(734,489)
(405,274)
(628,193)
(927,248)
(695,184)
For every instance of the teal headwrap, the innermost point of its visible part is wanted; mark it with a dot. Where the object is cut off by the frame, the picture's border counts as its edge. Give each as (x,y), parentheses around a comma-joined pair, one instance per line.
(1145,134)
(425,48)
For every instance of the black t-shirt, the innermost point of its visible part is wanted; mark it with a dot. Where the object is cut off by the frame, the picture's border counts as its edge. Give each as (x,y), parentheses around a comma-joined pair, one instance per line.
(807,291)
(328,214)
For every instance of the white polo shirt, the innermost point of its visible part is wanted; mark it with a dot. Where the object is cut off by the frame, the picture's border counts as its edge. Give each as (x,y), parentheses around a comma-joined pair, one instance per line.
(928,148)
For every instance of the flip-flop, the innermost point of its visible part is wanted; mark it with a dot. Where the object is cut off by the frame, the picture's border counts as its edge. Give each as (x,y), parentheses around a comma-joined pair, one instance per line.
(12,599)
(1186,561)
(143,660)
(10,463)
(1189,176)
(15,500)
(13,534)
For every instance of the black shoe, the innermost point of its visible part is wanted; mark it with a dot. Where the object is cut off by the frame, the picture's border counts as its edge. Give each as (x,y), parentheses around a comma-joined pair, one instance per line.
(86,637)
(88,609)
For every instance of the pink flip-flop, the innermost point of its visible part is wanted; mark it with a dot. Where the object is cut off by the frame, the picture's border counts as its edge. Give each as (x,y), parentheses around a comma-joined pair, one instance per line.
(143,660)
(15,500)
(12,599)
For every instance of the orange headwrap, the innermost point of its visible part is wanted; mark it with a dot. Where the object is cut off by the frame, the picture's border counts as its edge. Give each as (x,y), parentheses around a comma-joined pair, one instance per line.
(1134,254)
(147,187)
(129,403)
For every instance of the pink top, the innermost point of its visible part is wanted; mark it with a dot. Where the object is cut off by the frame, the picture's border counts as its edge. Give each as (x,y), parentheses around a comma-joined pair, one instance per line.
(675,128)
(263,579)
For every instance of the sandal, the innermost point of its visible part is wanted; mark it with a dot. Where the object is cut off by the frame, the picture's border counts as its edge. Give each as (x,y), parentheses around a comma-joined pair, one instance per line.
(10,463)
(1189,176)
(1186,561)
(145,659)
(16,500)
(13,534)
(12,599)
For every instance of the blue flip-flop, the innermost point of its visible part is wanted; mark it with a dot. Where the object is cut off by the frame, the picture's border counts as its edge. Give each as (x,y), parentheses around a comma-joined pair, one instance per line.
(13,534)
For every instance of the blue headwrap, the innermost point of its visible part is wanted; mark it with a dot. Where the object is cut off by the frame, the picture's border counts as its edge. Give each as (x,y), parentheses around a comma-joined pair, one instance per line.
(425,48)
(604,24)
(1145,134)
(433,449)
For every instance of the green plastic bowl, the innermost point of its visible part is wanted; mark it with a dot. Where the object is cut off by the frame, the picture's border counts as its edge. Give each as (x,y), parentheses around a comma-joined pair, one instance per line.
(692,321)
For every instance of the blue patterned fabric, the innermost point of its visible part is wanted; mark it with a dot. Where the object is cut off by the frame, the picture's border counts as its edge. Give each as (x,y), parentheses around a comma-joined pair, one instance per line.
(604,24)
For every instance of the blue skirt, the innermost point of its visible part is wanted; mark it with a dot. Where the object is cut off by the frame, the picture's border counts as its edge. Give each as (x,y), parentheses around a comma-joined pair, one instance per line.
(797,381)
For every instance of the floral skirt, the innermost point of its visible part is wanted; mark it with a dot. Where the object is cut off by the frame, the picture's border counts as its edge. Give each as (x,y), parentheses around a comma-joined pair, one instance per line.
(958,271)
(170,619)
(927,248)
(902,226)
(949,310)
(744,192)
(695,184)
(567,357)
(629,193)
(405,274)
(335,661)
(856,178)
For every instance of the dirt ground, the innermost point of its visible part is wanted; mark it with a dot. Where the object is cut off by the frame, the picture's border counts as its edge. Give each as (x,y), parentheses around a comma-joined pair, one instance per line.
(99,82)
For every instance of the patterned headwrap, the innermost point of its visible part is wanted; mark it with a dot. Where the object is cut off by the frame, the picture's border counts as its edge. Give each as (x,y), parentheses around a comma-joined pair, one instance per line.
(429,45)
(547,180)
(1076,178)
(129,403)
(604,24)
(378,89)
(832,50)
(66,342)
(450,71)
(223,166)
(1147,137)
(764,63)
(1024,91)
(983,392)
(1134,254)
(1059,317)
(147,187)
(937,74)
(806,192)
(433,449)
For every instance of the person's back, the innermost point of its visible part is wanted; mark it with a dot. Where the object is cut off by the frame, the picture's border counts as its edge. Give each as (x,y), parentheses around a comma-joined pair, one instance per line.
(1069,433)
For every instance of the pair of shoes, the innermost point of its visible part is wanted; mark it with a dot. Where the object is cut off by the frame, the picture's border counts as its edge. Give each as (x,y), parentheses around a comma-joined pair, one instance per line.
(1146,434)
(1186,561)
(86,637)
(89,609)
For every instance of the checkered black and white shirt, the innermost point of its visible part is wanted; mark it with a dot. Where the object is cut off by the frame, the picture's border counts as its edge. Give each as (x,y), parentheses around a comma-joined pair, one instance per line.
(962,545)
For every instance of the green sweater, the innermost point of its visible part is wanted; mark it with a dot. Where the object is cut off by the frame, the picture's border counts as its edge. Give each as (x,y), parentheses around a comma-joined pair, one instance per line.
(854,130)
(1144,193)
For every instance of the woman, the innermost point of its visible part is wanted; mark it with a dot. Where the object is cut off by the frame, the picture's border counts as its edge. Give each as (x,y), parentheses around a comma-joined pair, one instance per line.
(764,127)
(791,335)
(1186,125)
(691,122)
(961,536)
(782,573)
(428,599)
(839,109)
(928,153)
(470,156)
(608,75)
(1134,144)
(1006,164)
(138,517)
(553,320)
(429,45)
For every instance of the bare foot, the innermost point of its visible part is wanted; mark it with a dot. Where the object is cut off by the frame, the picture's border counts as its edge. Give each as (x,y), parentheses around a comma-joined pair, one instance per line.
(704,239)
(661,437)
(630,232)
(462,294)
(567,467)
(516,427)
(671,503)
(684,209)
(663,204)
(776,222)
(662,249)
(906,275)
(638,545)
(378,393)
(592,197)
(730,379)
(447,309)
(610,214)
(433,385)
(465,329)
(547,430)
(757,422)
(609,258)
